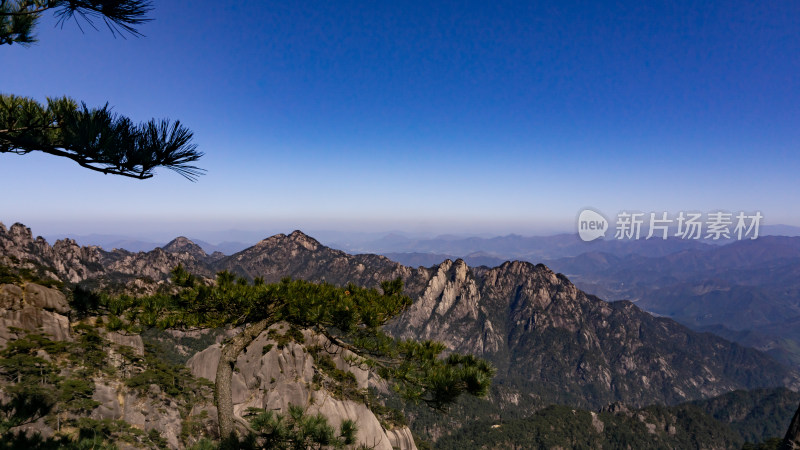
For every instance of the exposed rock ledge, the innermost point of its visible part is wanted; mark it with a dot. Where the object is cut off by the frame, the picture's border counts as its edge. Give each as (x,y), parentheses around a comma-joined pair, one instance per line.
(35,308)
(274,379)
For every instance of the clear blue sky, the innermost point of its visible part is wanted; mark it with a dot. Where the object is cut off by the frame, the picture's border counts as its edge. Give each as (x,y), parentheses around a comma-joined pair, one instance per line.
(426,116)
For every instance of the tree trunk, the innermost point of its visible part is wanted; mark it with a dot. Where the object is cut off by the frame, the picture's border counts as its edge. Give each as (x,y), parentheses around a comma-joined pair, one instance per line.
(792,439)
(227,359)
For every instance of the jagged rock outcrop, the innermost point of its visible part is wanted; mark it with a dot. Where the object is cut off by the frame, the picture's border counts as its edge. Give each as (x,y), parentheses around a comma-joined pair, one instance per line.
(272,378)
(65,260)
(300,256)
(449,302)
(182,244)
(558,344)
(155,265)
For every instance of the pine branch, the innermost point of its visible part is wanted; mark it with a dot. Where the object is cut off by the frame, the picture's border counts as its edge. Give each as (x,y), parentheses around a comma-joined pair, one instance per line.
(120,16)
(25,12)
(18,19)
(97,139)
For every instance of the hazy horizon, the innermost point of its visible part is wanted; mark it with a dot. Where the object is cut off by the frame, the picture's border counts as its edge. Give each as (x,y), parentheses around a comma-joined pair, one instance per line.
(89,235)
(470,117)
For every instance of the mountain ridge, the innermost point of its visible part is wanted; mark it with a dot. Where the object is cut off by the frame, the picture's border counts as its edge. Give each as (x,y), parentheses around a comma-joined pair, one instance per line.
(551,341)
(746,289)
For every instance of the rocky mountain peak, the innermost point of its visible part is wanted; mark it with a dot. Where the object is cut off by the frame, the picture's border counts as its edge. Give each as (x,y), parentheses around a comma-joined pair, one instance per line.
(182,244)
(281,242)
(304,240)
(527,268)
(20,234)
(461,268)
(275,238)
(65,260)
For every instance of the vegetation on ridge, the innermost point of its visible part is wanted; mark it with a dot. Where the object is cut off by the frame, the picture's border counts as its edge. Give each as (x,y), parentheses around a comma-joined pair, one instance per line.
(348,317)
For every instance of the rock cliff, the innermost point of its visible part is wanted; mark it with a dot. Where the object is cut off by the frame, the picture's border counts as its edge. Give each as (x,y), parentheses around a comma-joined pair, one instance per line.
(270,376)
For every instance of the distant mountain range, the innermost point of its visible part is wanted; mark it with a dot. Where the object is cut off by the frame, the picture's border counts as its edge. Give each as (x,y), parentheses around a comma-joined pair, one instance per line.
(550,341)
(527,248)
(532,248)
(406,247)
(110,242)
(747,291)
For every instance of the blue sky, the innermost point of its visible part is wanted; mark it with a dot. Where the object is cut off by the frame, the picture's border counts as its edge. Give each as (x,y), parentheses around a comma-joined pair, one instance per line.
(462,117)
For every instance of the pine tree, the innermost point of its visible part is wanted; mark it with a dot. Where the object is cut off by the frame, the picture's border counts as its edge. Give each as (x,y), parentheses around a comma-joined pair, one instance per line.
(349,317)
(95,138)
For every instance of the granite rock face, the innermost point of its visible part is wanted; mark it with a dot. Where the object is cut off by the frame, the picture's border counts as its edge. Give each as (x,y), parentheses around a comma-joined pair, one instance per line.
(279,377)
(153,411)
(553,341)
(32,308)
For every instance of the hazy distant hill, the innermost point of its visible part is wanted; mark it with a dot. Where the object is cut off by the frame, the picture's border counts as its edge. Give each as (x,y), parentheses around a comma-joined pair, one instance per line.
(409,248)
(748,291)
(226,248)
(727,421)
(110,242)
(415,259)
(527,248)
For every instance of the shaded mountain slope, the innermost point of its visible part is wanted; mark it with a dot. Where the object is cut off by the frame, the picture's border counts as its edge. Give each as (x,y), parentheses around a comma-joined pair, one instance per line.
(748,290)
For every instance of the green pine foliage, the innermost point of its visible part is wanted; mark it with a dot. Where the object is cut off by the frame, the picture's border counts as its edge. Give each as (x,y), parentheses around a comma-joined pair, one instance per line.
(756,415)
(18,18)
(293,334)
(53,381)
(297,430)
(95,138)
(174,380)
(349,317)
(741,419)
(174,349)
(340,383)
(565,427)
(769,444)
